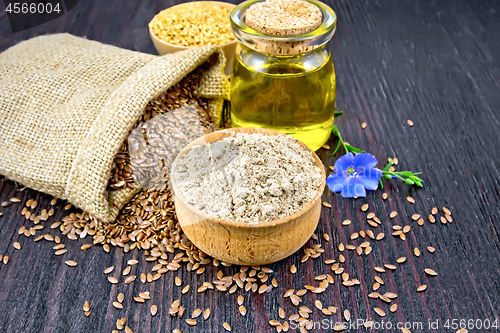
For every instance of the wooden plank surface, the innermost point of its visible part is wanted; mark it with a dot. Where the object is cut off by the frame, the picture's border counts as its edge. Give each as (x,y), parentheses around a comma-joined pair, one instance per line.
(434,62)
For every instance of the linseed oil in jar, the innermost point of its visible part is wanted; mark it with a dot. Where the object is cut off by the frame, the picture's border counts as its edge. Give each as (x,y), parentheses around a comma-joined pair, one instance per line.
(283,76)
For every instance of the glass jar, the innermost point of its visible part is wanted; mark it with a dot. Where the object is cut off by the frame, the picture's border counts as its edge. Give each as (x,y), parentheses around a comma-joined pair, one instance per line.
(285,83)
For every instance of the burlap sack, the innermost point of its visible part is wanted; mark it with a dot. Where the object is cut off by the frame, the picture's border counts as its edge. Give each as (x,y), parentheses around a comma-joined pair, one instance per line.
(67,104)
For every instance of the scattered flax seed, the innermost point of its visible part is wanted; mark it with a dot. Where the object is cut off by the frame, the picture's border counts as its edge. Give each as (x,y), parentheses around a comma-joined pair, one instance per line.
(281,313)
(364,208)
(421,288)
(415,217)
(406,229)
(132,262)
(145,295)
(434,211)
(379,269)
(154,310)
(15,200)
(318,304)
(326,204)
(109,270)
(401,260)
(60,252)
(196,313)
(243,310)
(53,202)
(128,330)
(431,249)
(126,271)
(86,247)
(346,222)
(240,299)
(86,313)
(206,314)
(117,305)
(410,200)
(86,306)
(443,220)
(71,263)
(120,297)
(391,267)
(416,251)
(184,290)
(139,299)
(449,218)
(380,236)
(112,280)
(17,246)
(420,221)
(393,214)
(178,281)
(347,315)
(384,196)
(5,260)
(393,308)
(462,330)
(384,298)
(293,269)
(430,272)
(405,330)
(363,125)
(106,248)
(379,311)
(274,322)
(274,282)
(262,289)
(227,326)
(446,211)
(370,215)
(410,122)
(327,147)
(369,324)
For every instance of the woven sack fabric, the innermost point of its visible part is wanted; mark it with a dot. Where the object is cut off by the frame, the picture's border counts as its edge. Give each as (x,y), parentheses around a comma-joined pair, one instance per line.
(67,104)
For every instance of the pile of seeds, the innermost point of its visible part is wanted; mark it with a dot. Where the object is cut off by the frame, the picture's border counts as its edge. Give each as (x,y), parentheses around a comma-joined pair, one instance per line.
(149,222)
(247,279)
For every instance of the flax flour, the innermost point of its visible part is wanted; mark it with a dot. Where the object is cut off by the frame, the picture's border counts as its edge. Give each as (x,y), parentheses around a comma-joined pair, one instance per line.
(249,178)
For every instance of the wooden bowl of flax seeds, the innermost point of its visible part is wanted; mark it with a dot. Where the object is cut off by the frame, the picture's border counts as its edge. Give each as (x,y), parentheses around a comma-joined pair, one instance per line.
(194,24)
(248,196)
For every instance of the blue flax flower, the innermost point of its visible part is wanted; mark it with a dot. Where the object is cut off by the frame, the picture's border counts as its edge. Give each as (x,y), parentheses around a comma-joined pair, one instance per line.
(353,175)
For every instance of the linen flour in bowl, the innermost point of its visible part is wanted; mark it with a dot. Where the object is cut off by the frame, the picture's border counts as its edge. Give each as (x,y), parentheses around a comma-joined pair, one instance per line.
(239,188)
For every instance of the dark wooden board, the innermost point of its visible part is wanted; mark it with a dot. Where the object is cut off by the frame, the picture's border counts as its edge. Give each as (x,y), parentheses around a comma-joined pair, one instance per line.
(435,62)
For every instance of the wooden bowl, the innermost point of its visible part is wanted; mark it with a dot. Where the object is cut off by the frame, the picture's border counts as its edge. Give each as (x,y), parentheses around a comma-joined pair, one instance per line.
(241,243)
(229,48)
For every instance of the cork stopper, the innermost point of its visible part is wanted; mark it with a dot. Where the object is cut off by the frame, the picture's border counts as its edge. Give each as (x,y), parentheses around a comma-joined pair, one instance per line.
(283,17)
